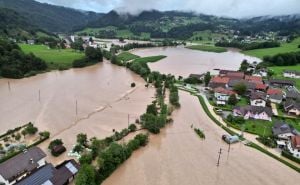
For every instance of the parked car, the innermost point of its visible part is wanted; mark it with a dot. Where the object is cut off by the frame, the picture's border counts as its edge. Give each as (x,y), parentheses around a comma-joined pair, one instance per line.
(230,139)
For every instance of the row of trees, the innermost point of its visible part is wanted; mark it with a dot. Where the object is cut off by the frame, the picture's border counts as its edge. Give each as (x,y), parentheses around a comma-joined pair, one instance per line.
(248,46)
(108,159)
(282,59)
(14,63)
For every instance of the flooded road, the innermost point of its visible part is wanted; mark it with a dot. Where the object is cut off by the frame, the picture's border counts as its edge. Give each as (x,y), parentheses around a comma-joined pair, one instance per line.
(181,61)
(104,100)
(179,157)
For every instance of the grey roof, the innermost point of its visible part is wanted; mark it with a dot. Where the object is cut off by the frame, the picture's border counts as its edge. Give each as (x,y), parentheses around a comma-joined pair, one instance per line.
(258,95)
(292,71)
(39,177)
(254,110)
(292,95)
(276,97)
(23,162)
(48,175)
(282,82)
(281,128)
(234,82)
(291,104)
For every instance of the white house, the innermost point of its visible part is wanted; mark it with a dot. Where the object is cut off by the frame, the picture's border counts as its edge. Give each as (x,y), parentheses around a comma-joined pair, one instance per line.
(258,99)
(21,165)
(291,74)
(283,130)
(294,146)
(292,107)
(222,94)
(253,112)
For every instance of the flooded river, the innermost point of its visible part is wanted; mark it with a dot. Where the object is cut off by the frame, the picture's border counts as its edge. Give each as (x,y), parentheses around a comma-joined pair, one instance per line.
(179,157)
(103,94)
(182,61)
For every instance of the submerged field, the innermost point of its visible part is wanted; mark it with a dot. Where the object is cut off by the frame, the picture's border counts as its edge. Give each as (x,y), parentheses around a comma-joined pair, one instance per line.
(207,48)
(55,58)
(284,48)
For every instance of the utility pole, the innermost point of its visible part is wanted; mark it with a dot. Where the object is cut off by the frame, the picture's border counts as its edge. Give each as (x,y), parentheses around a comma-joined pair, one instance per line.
(229,147)
(39,95)
(76,108)
(128,121)
(220,152)
(8,84)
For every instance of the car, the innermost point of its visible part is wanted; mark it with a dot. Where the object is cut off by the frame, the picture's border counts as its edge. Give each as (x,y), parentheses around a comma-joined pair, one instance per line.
(230,139)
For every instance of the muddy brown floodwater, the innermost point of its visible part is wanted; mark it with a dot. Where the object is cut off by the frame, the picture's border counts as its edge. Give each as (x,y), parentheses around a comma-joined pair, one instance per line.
(182,61)
(104,100)
(177,156)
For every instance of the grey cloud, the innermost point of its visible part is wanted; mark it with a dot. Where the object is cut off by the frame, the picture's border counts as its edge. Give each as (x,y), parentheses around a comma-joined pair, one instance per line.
(231,8)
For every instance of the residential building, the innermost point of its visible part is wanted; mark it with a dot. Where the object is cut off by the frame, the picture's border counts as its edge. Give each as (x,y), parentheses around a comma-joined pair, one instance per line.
(62,174)
(261,72)
(281,83)
(258,99)
(253,112)
(292,107)
(222,94)
(294,146)
(283,130)
(218,81)
(22,165)
(198,76)
(292,95)
(291,74)
(31,42)
(261,87)
(275,95)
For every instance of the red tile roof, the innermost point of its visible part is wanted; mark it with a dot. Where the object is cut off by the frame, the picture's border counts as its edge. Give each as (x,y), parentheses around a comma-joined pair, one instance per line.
(274,91)
(253,78)
(261,86)
(224,91)
(235,74)
(296,142)
(218,79)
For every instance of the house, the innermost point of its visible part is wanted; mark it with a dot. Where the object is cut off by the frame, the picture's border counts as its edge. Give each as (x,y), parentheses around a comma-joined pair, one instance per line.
(261,72)
(283,130)
(232,74)
(31,42)
(261,87)
(275,95)
(294,146)
(258,99)
(256,79)
(198,76)
(253,112)
(62,174)
(292,107)
(249,85)
(292,95)
(281,83)
(218,81)
(21,165)
(291,74)
(222,94)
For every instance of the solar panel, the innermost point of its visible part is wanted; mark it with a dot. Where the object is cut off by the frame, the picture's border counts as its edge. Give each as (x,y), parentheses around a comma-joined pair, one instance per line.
(72,168)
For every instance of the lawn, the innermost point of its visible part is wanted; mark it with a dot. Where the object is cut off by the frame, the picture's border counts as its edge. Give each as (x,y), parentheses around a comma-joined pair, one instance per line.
(149,59)
(126,56)
(284,48)
(279,69)
(56,59)
(207,48)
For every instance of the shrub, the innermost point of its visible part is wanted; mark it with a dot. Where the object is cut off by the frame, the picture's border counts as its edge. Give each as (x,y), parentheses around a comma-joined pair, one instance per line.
(132,127)
(132,84)
(79,63)
(30,129)
(86,159)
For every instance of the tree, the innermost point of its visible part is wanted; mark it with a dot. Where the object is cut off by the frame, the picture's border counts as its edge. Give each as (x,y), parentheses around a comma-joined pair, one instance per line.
(86,159)
(18,137)
(232,100)
(132,127)
(93,54)
(270,73)
(54,143)
(240,88)
(30,129)
(151,109)
(45,134)
(86,175)
(132,84)
(207,78)
(82,139)
(24,133)
(244,66)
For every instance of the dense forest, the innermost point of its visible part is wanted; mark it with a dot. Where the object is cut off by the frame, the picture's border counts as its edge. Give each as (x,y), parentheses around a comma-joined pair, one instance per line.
(49,17)
(15,64)
(248,46)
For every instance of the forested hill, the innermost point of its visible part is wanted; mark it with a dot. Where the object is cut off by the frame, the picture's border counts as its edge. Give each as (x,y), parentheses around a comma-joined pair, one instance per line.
(182,24)
(49,17)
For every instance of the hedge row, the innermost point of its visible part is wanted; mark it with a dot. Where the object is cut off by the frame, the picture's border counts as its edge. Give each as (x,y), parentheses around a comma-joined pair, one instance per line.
(290,156)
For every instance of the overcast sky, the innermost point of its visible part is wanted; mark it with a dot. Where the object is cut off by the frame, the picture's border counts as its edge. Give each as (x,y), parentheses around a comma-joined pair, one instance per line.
(231,8)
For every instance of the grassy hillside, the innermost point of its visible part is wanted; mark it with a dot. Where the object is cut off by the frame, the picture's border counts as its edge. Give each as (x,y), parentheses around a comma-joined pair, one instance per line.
(206,37)
(55,59)
(207,48)
(284,48)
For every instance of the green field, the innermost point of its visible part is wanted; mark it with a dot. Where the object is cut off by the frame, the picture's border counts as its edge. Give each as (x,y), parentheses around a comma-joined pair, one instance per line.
(55,59)
(149,59)
(284,48)
(207,37)
(279,69)
(126,56)
(207,48)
